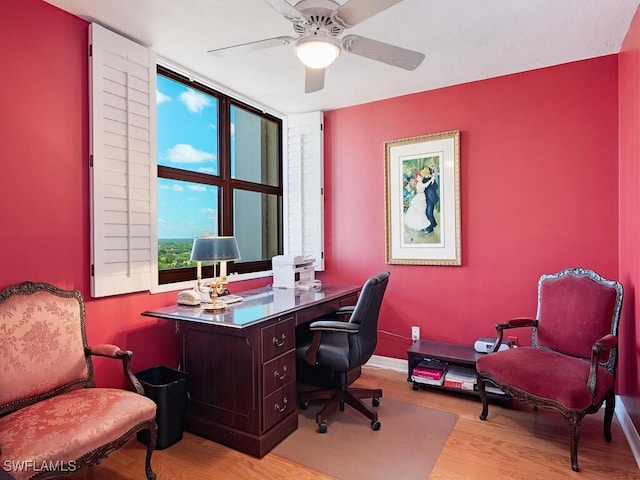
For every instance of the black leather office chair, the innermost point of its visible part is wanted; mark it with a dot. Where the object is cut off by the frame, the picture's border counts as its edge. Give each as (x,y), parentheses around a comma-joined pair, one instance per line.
(342,345)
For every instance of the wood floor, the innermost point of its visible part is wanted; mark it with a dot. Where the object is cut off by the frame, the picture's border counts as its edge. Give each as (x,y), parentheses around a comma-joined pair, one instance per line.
(513,443)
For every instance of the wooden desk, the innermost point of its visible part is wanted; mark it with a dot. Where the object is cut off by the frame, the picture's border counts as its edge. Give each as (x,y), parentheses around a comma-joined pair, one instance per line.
(241,364)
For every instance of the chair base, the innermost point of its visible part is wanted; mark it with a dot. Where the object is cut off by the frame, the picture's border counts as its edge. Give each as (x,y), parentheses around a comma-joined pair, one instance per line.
(574,418)
(318,376)
(338,398)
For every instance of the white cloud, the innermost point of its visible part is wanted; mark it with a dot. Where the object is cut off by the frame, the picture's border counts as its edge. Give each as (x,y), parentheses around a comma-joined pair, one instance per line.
(185,153)
(210,213)
(161,97)
(194,101)
(177,188)
(198,188)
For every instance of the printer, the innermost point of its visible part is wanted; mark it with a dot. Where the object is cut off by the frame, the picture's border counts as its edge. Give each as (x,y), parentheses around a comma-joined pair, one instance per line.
(293,271)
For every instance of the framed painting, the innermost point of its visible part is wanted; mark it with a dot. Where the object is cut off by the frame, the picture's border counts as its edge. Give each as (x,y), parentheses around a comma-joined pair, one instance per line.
(422,200)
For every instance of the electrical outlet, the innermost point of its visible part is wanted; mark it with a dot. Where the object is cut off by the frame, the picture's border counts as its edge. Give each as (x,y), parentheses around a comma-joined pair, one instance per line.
(512,340)
(415,333)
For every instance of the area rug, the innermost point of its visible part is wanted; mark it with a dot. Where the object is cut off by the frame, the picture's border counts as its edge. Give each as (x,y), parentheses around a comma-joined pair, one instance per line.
(405,448)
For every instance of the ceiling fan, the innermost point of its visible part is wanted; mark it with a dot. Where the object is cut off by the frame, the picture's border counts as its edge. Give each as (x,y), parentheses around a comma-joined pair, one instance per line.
(318,24)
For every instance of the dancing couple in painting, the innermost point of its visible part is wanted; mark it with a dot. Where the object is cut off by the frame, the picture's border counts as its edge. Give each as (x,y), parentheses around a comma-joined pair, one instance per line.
(420,213)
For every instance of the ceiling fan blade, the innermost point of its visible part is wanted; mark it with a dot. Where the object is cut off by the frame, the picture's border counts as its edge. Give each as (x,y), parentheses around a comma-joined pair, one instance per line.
(355,11)
(251,46)
(382,52)
(313,79)
(285,9)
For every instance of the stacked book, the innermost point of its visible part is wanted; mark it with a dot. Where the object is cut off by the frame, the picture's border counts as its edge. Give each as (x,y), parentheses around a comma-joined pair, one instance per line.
(490,388)
(460,377)
(429,372)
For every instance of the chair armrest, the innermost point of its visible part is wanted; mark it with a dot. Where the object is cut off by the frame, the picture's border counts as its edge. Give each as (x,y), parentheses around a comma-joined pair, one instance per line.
(113,351)
(601,346)
(606,343)
(513,323)
(106,350)
(347,310)
(326,326)
(334,326)
(517,323)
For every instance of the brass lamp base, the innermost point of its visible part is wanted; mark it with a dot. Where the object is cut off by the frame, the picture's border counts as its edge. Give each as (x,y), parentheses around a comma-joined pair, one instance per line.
(215,308)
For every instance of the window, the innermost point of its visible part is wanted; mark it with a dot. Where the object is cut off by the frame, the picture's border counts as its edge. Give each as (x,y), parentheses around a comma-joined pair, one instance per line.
(219,171)
(223,172)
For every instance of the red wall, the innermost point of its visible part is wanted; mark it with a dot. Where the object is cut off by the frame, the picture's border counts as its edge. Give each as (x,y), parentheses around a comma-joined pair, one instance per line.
(629,74)
(539,192)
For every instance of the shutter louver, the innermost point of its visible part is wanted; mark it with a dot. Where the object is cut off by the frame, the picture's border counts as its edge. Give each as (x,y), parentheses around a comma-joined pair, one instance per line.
(304,230)
(123,85)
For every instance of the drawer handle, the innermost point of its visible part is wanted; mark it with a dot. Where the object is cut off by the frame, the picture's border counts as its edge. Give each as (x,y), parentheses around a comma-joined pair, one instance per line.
(280,376)
(279,343)
(280,409)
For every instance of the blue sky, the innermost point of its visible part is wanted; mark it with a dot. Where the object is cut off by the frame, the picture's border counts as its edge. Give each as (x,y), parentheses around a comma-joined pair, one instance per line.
(187,138)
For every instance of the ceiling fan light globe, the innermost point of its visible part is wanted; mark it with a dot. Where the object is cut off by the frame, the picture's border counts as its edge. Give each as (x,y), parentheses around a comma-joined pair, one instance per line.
(317,52)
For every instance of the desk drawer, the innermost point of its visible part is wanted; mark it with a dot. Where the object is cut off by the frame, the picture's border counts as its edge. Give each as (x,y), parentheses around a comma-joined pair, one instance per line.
(278,372)
(279,405)
(278,338)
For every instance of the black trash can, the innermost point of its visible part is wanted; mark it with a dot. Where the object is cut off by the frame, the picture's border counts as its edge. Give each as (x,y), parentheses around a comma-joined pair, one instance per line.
(168,388)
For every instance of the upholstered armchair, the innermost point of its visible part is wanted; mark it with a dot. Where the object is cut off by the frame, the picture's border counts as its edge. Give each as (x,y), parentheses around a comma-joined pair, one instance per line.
(53,420)
(571,363)
(341,342)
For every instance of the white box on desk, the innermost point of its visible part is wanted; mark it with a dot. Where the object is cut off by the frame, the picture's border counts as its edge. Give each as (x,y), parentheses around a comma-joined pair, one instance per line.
(292,271)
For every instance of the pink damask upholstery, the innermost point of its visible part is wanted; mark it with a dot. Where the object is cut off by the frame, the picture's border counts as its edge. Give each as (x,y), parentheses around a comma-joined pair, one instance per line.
(66,427)
(52,420)
(571,364)
(42,341)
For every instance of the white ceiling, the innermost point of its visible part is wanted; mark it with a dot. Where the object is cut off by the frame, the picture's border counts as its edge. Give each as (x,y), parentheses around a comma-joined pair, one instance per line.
(464,40)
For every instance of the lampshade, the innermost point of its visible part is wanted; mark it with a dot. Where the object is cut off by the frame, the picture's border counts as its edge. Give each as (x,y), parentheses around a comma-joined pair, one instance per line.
(214,249)
(317,51)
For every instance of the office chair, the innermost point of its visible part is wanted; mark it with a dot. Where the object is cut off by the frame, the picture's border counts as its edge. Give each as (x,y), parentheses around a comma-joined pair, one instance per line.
(342,345)
(571,364)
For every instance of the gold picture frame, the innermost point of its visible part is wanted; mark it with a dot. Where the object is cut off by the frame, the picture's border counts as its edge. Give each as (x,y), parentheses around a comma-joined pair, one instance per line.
(422,200)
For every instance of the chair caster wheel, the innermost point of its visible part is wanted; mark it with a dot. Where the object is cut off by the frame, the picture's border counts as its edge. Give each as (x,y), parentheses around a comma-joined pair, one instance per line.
(303,405)
(415,386)
(375,425)
(322,427)
(375,402)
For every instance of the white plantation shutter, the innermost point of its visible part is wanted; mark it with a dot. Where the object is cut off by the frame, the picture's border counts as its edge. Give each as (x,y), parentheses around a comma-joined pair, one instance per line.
(304,187)
(123,171)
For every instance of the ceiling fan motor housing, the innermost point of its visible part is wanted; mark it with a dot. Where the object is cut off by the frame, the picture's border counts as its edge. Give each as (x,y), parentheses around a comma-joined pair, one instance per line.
(317,18)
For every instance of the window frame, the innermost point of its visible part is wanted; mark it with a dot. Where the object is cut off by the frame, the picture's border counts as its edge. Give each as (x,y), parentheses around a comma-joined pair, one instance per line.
(224,181)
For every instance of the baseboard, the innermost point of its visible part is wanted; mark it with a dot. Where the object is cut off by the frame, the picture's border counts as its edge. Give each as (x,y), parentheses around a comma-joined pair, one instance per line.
(388,363)
(628,428)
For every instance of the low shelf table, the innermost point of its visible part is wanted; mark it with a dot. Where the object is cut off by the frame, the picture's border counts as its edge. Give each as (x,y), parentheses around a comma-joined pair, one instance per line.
(453,354)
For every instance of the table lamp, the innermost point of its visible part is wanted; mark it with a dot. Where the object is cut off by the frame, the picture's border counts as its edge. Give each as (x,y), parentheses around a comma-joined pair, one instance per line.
(216,250)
